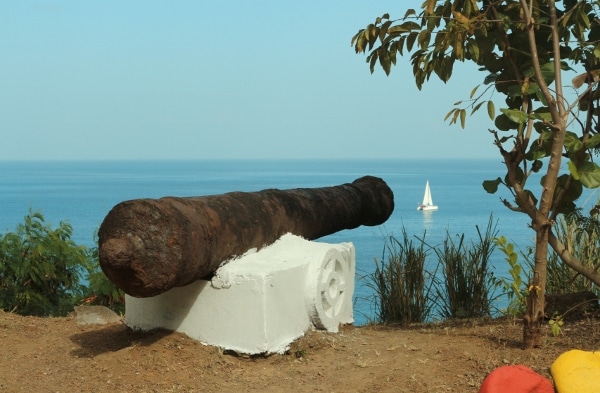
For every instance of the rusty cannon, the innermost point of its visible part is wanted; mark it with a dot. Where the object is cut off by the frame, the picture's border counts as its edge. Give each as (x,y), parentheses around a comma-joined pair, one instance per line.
(148,246)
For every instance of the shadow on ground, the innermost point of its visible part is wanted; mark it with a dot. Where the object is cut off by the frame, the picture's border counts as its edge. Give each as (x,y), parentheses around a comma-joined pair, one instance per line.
(112,339)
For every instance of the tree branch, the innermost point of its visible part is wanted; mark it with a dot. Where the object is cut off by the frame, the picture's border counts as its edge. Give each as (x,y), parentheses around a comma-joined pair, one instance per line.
(564,254)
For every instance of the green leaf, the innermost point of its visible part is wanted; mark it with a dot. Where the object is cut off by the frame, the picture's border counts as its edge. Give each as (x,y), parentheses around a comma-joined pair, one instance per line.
(400,45)
(372,59)
(455,117)
(423,39)
(513,259)
(373,37)
(410,41)
(573,170)
(543,114)
(491,186)
(583,18)
(548,72)
(572,142)
(517,90)
(592,142)
(463,118)
(368,31)
(519,176)
(392,55)
(473,91)
(491,110)
(571,191)
(404,27)
(539,150)
(589,174)
(491,78)
(384,60)
(566,17)
(449,114)
(383,29)
(503,123)
(473,49)
(515,115)
(476,107)
(506,138)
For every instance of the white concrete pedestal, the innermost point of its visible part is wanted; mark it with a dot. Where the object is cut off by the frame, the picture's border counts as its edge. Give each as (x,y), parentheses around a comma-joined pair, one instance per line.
(260,302)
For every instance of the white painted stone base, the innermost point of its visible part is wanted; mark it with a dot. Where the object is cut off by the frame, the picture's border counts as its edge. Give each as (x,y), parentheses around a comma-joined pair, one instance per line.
(260,302)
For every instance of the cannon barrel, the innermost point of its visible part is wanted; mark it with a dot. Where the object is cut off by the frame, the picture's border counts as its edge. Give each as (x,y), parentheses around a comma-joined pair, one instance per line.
(148,246)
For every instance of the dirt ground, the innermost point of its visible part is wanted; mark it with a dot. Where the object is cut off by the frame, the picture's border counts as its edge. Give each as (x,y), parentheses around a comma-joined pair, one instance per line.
(59,355)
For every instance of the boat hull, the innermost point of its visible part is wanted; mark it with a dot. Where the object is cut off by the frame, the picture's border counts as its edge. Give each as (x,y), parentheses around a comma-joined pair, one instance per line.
(427,207)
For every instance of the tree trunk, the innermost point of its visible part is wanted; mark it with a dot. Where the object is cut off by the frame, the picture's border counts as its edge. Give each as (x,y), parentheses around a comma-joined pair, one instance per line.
(534,315)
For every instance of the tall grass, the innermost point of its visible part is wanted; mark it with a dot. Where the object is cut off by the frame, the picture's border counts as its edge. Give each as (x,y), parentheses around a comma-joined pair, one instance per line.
(399,282)
(459,286)
(462,283)
(467,281)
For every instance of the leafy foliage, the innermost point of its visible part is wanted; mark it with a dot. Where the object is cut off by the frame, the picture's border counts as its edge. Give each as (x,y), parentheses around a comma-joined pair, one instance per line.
(515,287)
(496,37)
(40,268)
(42,271)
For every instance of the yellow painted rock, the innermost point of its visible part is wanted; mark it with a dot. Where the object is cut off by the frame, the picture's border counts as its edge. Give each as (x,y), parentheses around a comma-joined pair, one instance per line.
(577,372)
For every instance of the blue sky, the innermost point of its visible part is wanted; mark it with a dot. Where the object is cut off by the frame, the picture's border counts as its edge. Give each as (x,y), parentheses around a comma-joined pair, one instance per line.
(216,79)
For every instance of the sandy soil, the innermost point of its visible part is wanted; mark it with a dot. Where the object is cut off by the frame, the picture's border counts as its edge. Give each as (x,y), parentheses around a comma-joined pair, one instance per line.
(58,355)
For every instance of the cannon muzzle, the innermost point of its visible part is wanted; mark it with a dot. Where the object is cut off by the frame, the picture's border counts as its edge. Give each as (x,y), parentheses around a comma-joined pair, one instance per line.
(148,246)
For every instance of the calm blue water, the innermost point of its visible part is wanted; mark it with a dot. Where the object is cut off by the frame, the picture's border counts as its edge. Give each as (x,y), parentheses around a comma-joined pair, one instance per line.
(82,193)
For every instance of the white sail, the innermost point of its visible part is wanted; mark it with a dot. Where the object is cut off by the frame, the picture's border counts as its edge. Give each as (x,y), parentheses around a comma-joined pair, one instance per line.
(427,200)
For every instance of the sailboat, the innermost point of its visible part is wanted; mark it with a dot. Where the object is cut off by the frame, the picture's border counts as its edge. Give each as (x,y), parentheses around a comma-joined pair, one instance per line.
(427,201)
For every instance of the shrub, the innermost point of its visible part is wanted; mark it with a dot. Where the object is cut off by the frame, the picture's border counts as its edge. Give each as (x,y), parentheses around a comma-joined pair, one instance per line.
(40,268)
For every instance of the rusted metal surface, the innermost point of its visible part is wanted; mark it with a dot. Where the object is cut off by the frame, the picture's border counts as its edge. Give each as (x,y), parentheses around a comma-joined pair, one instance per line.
(148,246)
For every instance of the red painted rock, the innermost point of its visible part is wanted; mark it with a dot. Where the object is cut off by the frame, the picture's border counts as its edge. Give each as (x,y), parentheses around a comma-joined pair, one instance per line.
(515,379)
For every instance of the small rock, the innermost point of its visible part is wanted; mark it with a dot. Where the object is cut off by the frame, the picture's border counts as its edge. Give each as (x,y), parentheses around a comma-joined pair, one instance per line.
(95,315)
(577,371)
(515,379)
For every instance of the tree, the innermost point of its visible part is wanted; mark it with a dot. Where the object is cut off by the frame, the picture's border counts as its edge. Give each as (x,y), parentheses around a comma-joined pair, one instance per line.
(522,49)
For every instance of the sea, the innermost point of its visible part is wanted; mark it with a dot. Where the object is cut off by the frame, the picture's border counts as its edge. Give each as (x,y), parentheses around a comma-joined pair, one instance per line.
(83,192)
